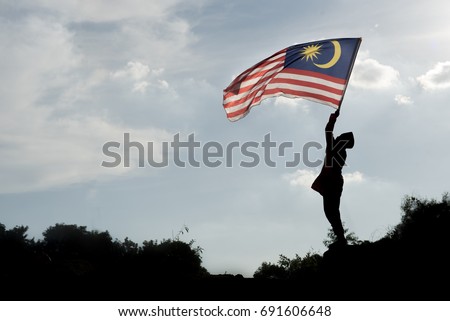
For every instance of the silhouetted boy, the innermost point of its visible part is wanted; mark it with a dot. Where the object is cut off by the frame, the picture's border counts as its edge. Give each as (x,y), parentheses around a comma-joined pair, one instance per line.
(330,182)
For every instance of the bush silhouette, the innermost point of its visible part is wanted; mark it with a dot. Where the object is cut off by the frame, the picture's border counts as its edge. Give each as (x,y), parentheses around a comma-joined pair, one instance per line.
(423,222)
(409,262)
(71,256)
(286,268)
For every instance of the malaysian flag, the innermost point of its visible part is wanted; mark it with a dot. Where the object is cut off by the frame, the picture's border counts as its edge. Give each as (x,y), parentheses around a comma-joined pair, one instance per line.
(318,71)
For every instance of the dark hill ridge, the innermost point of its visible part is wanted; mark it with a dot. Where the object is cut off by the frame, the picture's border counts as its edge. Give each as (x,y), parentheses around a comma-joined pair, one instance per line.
(410,263)
(371,271)
(387,270)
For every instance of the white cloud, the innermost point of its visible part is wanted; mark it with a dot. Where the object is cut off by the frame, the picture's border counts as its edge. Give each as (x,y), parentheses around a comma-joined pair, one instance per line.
(284,101)
(403,100)
(436,78)
(105,10)
(165,44)
(369,73)
(305,177)
(353,178)
(134,70)
(140,86)
(140,74)
(110,33)
(291,103)
(66,151)
(301,177)
(163,84)
(157,72)
(37,56)
(46,141)
(50,64)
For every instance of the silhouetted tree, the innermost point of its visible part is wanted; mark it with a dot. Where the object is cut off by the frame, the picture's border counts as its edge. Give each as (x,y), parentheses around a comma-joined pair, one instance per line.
(287,268)
(411,259)
(172,257)
(128,247)
(269,270)
(351,237)
(16,251)
(423,222)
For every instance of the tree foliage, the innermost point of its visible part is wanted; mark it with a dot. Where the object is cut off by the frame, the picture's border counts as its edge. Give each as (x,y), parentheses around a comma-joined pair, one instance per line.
(287,268)
(351,237)
(424,221)
(72,251)
(412,254)
(417,244)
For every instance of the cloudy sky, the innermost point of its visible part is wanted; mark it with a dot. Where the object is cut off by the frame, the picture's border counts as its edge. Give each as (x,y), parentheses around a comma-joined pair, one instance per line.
(78,74)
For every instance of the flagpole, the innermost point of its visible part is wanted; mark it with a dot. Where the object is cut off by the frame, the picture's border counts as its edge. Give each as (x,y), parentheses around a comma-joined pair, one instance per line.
(350,73)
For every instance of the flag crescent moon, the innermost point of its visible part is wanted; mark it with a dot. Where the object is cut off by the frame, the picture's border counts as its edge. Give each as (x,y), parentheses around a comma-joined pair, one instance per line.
(336,56)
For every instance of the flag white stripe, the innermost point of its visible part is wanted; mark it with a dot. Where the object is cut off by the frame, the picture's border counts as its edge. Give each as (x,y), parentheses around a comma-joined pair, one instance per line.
(237,117)
(267,77)
(253,71)
(246,83)
(286,75)
(321,81)
(244,94)
(270,78)
(266,67)
(244,104)
(305,89)
(312,90)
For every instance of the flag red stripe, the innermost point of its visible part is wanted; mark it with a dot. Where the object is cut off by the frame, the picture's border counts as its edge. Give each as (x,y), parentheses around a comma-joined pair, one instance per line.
(253,89)
(254,100)
(272,58)
(251,93)
(243,110)
(255,72)
(269,78)
(295,82)
(269,66)
(278,92)
(314,74)
(300,94)
(307,84)
(240,90)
